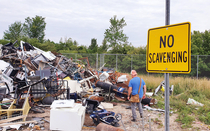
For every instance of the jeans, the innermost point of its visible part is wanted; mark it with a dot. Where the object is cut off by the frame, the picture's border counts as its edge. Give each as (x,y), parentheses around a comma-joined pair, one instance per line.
(133,105)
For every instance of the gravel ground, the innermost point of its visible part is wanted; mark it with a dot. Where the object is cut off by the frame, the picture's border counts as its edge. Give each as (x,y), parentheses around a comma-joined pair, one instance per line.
(157,121)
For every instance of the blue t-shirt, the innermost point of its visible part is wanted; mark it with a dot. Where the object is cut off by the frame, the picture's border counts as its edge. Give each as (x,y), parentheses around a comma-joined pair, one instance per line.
(135,83)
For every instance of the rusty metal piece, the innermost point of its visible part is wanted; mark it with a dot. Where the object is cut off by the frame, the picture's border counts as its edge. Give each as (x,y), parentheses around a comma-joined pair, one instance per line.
(122,85)
(29,65)
(59,92)
(98,98)
(105,127)
(86,59)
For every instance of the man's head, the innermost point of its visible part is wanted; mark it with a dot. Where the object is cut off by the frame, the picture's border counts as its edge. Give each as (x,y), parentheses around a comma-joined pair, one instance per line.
(133,73)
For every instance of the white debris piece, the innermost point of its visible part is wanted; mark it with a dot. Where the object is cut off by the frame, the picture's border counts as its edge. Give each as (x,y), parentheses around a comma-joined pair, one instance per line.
(194,102)
(122,78)
(104,76)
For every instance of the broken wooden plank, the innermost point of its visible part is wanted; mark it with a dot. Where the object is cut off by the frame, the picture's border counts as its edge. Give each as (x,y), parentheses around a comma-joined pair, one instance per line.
(15,123)
(12,119)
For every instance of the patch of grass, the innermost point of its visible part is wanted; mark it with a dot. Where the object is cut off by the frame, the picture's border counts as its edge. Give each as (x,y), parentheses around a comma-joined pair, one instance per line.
(196,128)
(205,117)
(185,119)
(160,104)
(184,88)
(177,90)
(157,121)
(176,104)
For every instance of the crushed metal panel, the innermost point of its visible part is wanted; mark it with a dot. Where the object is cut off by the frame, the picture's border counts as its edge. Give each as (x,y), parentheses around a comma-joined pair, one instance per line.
(43,73)
(4,65)
(29,65)
(8,80)
(50,56)
(38,58)
(9,70)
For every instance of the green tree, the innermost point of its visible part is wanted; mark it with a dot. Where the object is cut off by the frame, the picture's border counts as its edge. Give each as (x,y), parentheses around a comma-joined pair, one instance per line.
(200,44)
(206,42)
(4,42)
(35,27)
(104,47)
(68,46)
(137,50)
(196,43)
(93,48)
(15,32)
(114,35)
(48,46)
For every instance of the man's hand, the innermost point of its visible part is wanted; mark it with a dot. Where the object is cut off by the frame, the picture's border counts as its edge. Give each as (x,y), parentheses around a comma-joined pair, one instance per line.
(128,97)
(144,96)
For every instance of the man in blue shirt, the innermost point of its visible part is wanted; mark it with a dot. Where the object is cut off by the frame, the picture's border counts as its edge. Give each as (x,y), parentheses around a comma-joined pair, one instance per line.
(133,90)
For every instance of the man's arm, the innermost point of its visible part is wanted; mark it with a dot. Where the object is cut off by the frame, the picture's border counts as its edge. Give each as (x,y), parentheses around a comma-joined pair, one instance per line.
(129,92)
(145,89)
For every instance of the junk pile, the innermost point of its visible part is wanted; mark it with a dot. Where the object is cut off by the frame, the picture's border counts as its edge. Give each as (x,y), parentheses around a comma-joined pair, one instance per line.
(30,77)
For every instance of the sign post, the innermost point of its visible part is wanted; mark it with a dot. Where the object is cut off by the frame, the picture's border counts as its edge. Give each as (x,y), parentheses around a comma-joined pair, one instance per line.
(167,74)
(169,51)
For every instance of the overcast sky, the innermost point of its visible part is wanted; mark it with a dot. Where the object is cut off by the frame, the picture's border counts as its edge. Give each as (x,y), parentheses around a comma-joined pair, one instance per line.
(83,20)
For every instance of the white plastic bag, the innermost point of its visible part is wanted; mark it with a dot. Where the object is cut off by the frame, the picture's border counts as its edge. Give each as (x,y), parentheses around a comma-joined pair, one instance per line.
(194,102)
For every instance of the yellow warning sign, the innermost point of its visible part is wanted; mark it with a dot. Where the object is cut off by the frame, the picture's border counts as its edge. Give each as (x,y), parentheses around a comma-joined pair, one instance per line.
(169,49)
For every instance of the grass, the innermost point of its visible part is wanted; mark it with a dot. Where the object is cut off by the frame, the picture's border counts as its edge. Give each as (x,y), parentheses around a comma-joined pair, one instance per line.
(157,121)
(184,88)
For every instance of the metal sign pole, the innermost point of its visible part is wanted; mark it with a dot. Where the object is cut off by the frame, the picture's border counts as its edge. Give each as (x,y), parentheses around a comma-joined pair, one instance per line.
(167,74)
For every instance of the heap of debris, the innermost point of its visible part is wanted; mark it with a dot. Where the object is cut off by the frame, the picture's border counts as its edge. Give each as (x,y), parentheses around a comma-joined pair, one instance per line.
(30,77)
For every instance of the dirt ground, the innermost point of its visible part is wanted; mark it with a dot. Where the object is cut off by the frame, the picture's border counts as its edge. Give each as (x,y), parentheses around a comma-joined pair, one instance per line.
(157,121)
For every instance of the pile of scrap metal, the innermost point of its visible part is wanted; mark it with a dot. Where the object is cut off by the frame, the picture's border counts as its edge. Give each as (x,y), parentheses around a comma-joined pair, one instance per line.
(26,62)
(27,67)
(49,76)
(30,77)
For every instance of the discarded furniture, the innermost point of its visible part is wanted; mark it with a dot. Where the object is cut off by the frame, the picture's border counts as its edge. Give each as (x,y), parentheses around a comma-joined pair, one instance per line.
(10,109)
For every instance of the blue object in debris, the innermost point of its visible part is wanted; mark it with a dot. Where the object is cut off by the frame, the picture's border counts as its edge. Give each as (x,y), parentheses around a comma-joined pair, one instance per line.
(77,76)
(74,96)
(120,91)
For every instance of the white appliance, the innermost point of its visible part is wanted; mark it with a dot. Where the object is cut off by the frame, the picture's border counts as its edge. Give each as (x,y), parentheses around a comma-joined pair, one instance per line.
(65,115)
(74,85)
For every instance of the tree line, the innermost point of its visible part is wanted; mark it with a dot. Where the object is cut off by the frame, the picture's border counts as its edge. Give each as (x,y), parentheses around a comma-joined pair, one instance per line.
(33,32)
(115,41)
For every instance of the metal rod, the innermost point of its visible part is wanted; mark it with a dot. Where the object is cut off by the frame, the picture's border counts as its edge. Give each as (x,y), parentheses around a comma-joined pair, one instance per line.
(167,22)
(149,123)
(167,12)
(167,102)
(123,125)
